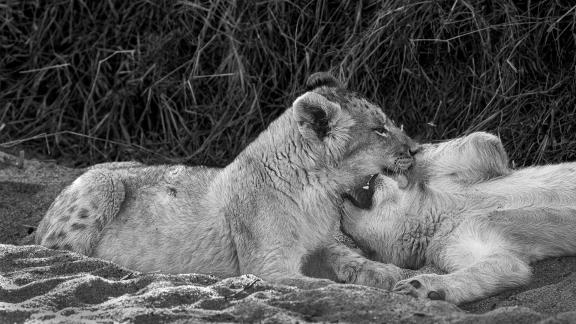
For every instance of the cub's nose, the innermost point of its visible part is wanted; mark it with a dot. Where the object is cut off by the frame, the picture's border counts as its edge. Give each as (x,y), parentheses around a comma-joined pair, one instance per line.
(411,149)
(414,149)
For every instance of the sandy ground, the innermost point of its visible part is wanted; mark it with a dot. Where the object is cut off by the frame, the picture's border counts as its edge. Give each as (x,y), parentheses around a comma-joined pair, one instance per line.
(37,284)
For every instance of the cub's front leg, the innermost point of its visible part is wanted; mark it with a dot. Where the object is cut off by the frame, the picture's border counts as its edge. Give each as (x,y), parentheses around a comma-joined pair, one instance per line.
(351,267)
(495,274)
(481,260)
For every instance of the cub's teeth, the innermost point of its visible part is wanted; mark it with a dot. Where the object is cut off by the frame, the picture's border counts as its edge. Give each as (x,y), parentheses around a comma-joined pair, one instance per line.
(371,178)
(402,181)
(365,187)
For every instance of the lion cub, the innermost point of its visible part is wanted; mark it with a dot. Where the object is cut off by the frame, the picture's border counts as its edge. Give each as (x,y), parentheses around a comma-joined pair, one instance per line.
(461,209)
(275,204)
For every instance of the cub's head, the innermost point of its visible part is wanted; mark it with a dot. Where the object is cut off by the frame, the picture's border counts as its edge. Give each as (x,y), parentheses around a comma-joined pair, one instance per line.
(348,133)
(378,229)
(445,167)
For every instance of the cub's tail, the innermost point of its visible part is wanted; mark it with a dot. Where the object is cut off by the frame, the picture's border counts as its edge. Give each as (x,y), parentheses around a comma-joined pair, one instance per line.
(77,216)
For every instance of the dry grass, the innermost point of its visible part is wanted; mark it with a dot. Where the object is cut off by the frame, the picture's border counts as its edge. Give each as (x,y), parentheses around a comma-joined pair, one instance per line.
(195,81)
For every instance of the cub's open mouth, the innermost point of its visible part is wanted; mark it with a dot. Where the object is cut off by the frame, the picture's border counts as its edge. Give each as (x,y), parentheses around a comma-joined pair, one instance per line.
(361,196)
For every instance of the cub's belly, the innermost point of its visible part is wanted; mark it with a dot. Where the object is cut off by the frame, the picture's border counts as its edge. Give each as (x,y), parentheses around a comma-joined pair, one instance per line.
(152,238)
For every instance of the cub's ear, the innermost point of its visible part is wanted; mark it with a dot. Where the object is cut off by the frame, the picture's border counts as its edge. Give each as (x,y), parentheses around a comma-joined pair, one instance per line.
(322,79)
(315,115)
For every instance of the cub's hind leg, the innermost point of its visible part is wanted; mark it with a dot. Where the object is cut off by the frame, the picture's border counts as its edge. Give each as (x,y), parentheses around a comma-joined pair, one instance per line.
(77,216)
(470,159)
(490,159)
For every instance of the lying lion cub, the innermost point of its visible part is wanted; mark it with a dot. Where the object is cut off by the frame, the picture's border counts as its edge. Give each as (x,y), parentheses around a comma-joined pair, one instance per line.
(461,209)
(275,204)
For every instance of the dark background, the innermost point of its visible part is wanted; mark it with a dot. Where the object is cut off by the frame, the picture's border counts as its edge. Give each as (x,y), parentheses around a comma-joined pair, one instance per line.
(83,82)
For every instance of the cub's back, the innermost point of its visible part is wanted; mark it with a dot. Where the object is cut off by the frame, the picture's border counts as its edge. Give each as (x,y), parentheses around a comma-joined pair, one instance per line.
(135,176)
(99,197)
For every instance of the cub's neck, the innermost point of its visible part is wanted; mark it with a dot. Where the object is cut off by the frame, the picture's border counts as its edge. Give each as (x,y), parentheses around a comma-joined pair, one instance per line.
(285,159)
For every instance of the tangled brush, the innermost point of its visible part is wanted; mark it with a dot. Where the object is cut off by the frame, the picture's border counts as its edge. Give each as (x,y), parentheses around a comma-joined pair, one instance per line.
(195,81)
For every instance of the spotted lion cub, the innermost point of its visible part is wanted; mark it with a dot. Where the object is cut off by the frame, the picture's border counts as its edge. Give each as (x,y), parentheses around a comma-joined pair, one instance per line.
(275,204)
(462,209)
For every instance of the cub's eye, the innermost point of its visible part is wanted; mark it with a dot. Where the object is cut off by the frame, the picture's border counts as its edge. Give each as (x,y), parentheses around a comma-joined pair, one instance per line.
(382,131)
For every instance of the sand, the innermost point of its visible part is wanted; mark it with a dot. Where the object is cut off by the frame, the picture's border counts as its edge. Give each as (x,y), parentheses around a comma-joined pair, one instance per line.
(42,285)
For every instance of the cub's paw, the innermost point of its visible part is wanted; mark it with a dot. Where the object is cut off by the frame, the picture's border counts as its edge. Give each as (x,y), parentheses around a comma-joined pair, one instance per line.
(376,274)
(427,286)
